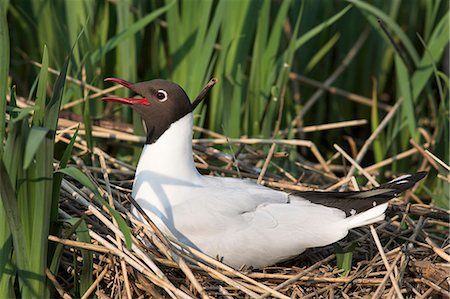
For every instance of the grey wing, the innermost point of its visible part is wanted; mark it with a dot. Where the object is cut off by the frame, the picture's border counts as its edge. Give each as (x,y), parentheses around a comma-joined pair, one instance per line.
(354,202)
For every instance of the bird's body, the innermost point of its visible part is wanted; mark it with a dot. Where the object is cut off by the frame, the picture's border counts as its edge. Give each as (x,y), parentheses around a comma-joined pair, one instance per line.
(236,220)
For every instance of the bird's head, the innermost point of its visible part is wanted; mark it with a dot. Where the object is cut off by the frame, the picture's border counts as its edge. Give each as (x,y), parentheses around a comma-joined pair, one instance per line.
(162,103)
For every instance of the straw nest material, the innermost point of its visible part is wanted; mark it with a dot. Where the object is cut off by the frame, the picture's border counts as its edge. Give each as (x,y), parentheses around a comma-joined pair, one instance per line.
(403,256)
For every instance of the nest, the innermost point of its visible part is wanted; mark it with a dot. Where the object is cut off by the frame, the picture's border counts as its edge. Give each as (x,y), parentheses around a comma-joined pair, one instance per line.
(403,256)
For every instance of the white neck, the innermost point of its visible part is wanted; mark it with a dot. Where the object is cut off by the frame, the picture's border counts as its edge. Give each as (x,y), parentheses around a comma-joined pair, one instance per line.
(170,156)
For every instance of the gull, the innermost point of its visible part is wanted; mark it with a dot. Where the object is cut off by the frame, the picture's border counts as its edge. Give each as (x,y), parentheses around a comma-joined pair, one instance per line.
(235,220)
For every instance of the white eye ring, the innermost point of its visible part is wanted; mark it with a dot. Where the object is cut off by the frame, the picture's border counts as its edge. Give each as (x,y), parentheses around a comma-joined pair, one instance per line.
(161,95)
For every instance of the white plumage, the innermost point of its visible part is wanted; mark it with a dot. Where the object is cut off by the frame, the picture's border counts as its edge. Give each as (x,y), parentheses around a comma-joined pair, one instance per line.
(233,219)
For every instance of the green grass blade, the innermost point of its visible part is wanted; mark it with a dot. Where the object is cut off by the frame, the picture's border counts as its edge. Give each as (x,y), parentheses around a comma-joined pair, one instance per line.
(6,267)
(13,151)
(57,179)
(234,124)
(374,122)
(114,41)
(85,181)
(319,28)
(9,201)
(86,276)
(38,117)
(279,89)
(56,257)
(53,107)
(12,158)
(39,187)
(34,141)
(344,257)
(125,67)
(266,48)
(4,65)
(80,177)
(435,70)
(432,9)
(435,48)
(199,59)
(322,52)
(19,114)
(39,198)
(374,11)
(68,151)
(258,71)
(403,80)
(79,227)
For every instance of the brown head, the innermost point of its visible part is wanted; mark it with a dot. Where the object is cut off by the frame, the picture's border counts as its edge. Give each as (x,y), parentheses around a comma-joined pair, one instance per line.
(163,103)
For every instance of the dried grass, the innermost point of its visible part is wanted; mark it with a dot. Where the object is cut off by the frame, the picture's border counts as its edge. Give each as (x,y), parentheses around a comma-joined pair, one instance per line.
(404,256)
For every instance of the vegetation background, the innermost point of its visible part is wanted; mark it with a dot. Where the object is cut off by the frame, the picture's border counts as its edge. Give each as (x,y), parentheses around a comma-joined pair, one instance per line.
(265,54)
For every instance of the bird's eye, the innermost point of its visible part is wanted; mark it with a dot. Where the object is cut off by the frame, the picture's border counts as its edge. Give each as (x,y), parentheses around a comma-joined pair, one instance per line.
(161,95)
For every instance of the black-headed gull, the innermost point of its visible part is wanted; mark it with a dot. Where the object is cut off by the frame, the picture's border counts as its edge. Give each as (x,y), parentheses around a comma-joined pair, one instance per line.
(237,220)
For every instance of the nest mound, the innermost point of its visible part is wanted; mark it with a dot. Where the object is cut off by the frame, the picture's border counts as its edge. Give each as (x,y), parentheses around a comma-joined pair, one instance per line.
(403,256)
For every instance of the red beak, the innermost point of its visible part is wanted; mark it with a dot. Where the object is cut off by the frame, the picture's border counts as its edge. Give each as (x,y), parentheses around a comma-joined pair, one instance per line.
(128,101)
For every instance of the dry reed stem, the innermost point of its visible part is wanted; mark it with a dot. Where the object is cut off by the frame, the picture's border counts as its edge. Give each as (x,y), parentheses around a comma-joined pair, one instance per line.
(332,126)
(253,141)
(439,251)
(117,135)
(391,160)
(356,165)
(100,93)
(266,163)
(95,284)
(283,171)
(161,280)
(385,261)
(227,269)
(77,244)
(275,131)
(424,154)
(442,163)
(56,284)
(208,132)
(68,78)
(380,287)
(334,90)
(163,244)
(337,72)
(340,183)
(437,288)
(374,135)
(298,276)
(118,240)
(225,293)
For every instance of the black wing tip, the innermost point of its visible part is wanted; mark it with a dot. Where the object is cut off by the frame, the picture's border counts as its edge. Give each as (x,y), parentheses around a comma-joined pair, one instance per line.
(418,176)
(411,178)
(355,202)
(404,182)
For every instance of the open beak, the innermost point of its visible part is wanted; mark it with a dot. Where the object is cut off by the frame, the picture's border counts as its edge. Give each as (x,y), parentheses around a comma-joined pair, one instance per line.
(128,101)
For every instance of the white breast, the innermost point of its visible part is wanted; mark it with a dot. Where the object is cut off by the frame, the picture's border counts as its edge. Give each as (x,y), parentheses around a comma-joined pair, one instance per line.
(236,220)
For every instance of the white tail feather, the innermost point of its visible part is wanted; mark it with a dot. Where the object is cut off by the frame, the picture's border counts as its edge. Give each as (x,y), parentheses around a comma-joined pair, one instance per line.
(373,215)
